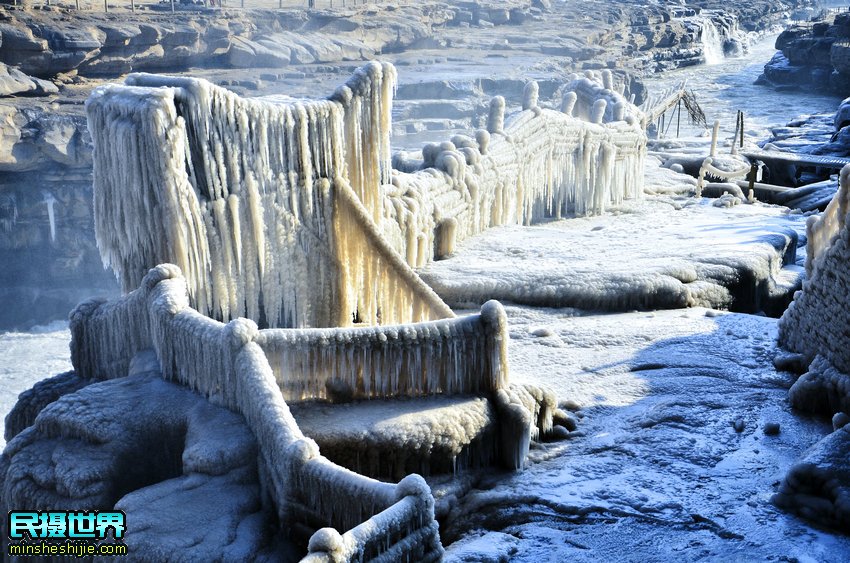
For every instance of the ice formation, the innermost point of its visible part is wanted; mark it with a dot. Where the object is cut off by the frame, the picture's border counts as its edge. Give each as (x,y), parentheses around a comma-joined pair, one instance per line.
(816,321)
(289,213)
(228,364)
(50,201)
(712,42)
(269,208)
(225,364)
(815,326)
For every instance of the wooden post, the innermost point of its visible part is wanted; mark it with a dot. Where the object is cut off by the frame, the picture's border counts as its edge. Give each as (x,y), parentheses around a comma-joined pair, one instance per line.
(133,5)
(106,6)
(714,138)
(742,128)
(751,194)
(77,2)
(173,9)
(678,117)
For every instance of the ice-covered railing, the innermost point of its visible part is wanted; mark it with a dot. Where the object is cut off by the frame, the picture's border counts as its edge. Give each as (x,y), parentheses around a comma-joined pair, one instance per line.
(707,168)
(242,195)
(541,163)
(452,356)
(822,228)
(225,364)
(287,212)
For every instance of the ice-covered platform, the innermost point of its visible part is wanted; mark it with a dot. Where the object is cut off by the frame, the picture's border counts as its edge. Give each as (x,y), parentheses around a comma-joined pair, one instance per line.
(657,253)
(393,438)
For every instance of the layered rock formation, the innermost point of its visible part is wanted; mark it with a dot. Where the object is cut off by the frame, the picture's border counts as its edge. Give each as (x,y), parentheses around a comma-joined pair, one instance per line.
(813,54)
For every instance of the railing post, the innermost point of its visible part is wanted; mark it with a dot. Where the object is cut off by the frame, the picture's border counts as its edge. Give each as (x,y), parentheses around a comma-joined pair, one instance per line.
(714,138)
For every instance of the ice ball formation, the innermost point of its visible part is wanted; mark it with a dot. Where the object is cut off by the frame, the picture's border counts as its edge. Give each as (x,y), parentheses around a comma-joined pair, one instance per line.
(815,327)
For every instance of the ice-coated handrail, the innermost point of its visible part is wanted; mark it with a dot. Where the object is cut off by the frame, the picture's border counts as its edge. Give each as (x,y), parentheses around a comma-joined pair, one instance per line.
(708,168)
(451,356)
(224,363)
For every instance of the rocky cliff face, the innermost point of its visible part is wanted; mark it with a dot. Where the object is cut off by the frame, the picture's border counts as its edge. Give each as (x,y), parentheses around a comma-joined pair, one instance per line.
(814,54)
(50,59)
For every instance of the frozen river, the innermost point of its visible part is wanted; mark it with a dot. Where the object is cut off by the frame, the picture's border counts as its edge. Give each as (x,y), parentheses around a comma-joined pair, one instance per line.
(723,89)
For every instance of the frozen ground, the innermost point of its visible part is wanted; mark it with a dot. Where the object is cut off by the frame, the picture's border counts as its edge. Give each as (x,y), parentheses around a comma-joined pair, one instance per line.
(660,472)
(661,252)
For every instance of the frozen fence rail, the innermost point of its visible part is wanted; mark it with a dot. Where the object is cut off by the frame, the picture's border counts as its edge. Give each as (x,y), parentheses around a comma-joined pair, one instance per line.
(453,356)
(290,214)
(225,364)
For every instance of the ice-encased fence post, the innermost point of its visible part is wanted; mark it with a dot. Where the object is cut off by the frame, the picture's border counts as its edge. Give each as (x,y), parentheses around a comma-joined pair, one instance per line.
(495,323)
(496,117)
(714,134)
(607,79)
(568,102)
(619,111)
(530,97)
(598,113)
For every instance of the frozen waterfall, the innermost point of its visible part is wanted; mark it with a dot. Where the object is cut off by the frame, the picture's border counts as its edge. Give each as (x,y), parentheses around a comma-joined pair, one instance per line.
(712,42)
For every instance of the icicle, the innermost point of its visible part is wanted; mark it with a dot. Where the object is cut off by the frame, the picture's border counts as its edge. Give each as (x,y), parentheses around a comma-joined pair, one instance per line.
(51,215)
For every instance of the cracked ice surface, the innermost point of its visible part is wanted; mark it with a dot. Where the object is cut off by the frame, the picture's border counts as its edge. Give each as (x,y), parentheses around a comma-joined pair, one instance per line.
(657,472)
(660,252)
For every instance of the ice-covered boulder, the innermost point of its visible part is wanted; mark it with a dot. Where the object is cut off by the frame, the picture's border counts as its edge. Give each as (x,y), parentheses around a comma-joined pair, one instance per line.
(157,451)
(818,486)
